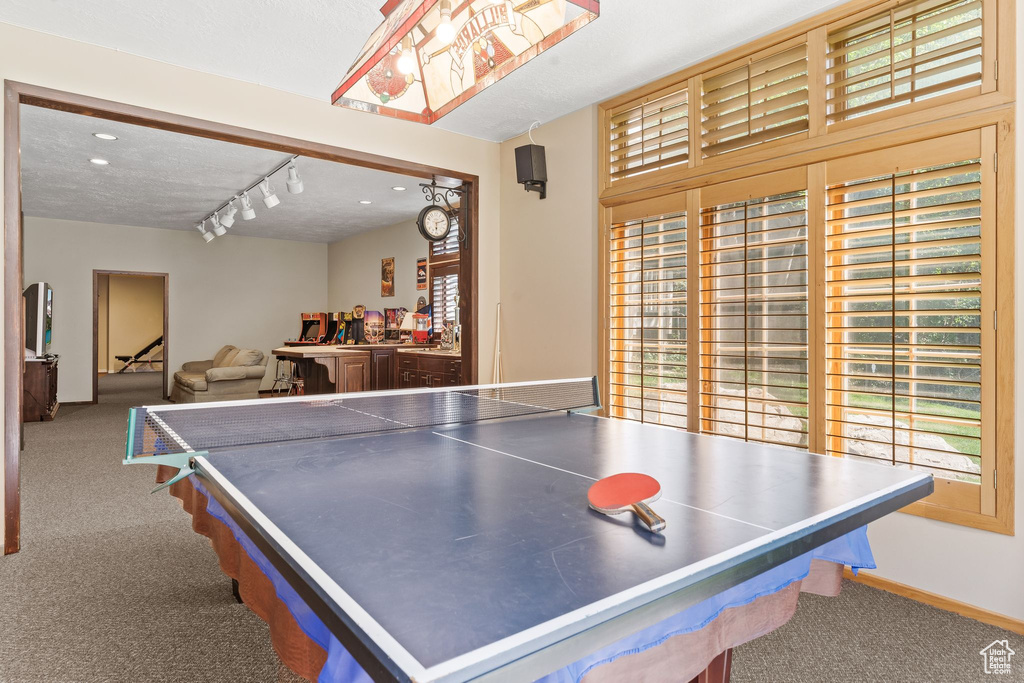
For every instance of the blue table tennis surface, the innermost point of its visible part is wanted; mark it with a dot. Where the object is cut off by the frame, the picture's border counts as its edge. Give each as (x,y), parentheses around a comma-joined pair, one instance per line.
(468,546)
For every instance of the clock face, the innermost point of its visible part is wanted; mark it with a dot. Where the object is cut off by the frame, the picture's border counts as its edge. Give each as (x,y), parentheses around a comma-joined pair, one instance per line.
(434,223)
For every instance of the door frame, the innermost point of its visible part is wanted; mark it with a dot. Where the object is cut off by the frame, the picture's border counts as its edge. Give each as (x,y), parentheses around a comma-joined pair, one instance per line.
(16,94)
(96,326)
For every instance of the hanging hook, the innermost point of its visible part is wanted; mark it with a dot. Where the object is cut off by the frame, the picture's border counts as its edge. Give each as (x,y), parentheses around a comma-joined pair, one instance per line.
(530,132)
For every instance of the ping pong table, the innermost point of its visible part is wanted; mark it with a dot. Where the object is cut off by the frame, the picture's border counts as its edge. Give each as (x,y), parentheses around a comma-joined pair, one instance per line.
(444,534)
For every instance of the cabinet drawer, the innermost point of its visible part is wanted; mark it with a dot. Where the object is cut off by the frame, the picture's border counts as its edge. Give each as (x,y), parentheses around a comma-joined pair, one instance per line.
(407,363)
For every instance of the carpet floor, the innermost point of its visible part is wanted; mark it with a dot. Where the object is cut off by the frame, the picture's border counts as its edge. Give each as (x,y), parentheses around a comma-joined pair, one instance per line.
(112,584)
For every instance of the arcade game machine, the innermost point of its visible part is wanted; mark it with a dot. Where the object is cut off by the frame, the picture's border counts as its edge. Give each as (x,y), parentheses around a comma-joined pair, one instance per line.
(314,329)
(335,333)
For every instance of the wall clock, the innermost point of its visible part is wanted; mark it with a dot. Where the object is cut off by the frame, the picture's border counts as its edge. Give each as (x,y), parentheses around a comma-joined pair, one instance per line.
(434,223)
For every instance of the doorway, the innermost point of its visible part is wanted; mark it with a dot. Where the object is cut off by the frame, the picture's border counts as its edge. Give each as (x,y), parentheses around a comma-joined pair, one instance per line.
(16,94)
(129,330)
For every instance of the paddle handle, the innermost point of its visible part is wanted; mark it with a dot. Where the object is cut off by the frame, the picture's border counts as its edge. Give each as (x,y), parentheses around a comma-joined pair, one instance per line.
(649,517)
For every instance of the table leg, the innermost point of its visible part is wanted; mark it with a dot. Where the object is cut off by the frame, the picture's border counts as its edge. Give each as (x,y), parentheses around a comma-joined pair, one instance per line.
(718,670)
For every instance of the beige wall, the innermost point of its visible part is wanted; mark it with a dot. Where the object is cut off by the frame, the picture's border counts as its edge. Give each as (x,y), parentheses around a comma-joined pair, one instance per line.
(50,61)
(136,315)
(246,291)
(549,256)
(102,323)
(353,268)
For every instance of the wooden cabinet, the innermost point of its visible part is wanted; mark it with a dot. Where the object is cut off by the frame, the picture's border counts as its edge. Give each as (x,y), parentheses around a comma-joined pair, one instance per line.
(382,369)
(354,372)
(40,390)
(427,370)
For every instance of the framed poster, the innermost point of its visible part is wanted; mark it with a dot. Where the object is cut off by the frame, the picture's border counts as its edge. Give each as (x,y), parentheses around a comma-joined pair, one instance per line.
(421,273)
(387,276)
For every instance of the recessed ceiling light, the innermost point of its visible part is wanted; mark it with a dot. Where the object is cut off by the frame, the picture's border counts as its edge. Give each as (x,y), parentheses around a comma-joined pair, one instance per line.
(99,162)
(365,201)
(104,136)
(398,188)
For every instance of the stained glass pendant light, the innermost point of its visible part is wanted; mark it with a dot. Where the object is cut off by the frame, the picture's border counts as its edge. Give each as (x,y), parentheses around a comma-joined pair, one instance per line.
(430,56)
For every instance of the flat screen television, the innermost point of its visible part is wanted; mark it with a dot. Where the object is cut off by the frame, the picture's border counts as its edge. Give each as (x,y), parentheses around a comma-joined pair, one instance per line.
(38,318)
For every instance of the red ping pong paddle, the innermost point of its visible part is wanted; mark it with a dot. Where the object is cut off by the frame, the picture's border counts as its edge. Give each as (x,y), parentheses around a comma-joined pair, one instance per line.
(628,491)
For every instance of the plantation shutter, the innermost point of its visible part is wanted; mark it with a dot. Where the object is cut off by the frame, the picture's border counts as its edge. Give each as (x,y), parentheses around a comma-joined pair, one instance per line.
(910,53)
(906,357)
(647,298)
(760,101)
(648,136)
(444,289)
(449,245)
(753,319)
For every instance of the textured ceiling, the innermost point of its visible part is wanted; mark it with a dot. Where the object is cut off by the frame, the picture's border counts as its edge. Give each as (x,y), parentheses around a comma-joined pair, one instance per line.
(307,47)
(159,179)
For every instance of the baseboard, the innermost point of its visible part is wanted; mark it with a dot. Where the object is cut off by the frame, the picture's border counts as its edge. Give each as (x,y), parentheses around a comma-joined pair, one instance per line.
(940,601)
(78,403)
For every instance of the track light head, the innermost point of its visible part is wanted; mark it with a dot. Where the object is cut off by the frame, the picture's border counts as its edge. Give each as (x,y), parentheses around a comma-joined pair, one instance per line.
(228,219)
(294,182)
(218,228)
(248,213)
(270,199)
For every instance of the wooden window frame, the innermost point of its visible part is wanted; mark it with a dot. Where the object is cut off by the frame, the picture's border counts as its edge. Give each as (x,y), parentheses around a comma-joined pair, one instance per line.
(687,187)
(997,87)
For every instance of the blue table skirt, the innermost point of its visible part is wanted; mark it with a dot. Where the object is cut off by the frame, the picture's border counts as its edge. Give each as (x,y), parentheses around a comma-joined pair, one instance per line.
(852,550)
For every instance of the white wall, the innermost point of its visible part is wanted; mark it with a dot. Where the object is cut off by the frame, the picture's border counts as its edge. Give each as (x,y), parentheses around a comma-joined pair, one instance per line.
(246,291)
(53,62)
(549,266)
(353,268)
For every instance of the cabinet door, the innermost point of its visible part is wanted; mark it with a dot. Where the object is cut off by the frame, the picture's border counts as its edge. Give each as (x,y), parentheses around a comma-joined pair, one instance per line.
(381,372)
(354,374)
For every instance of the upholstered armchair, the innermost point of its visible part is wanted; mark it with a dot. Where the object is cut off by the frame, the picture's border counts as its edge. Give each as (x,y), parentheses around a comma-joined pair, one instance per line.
(232,374)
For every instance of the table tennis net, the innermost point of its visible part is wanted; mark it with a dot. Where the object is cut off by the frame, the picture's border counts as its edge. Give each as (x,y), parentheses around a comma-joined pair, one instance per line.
(157,430)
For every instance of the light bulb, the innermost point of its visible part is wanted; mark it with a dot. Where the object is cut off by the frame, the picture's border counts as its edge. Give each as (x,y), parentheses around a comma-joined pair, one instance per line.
(445,30)
(407,60)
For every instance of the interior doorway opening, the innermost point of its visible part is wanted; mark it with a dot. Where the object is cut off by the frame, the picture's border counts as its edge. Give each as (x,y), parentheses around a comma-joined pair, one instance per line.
(130,334)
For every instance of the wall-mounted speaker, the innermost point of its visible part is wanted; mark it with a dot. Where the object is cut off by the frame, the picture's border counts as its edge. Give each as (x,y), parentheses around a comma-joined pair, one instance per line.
(532,169)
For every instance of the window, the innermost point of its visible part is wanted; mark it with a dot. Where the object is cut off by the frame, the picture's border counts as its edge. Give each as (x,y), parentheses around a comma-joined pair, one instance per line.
(907,294)
(444,289)
(912,52)
(444,277)
(841,274)
(648,320)
(760,101)
(753,320)
(449,245)
(649,136)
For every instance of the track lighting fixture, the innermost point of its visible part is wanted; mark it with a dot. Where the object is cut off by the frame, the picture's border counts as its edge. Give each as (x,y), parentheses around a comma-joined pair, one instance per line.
(208,236)
(228,219)
(270,199)
(294,182)
(221,223)
(218,227)
(248,213)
